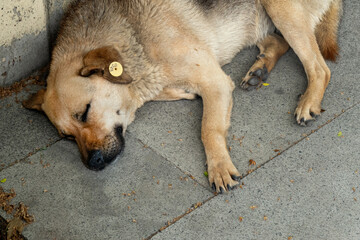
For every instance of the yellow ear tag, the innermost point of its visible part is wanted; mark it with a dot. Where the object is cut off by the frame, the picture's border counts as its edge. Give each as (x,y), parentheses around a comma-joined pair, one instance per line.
(116,69)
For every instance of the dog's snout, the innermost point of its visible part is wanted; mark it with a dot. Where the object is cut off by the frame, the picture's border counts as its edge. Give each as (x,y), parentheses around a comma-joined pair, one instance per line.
(112,146)
(96,160)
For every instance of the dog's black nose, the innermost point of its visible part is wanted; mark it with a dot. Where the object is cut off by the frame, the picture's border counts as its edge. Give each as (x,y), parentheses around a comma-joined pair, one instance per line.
(96,160)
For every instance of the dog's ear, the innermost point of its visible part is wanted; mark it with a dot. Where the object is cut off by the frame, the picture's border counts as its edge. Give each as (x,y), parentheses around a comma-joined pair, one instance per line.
(107,62)
(35,100)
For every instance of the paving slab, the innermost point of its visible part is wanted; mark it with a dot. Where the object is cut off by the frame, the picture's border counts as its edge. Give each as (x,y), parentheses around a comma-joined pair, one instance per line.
(132,199)
(311,191)
(263,118)
(22,131)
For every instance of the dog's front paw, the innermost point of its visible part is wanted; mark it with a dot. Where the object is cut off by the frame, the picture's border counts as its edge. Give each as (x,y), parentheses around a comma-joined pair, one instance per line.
(223,176)
(308,108)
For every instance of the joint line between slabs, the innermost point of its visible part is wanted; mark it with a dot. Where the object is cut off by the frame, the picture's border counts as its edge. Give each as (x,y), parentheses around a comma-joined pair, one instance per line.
(302,139)
(30,154)
(184,172)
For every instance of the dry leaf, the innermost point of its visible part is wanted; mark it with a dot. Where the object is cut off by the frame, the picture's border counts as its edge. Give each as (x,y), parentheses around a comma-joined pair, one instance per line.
(252,162)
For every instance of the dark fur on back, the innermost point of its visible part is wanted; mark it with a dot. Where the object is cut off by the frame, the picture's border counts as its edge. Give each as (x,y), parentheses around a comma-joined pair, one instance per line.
(207,4)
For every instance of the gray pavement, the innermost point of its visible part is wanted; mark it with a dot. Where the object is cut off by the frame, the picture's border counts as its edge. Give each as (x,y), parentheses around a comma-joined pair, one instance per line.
(305,185)
(310,191)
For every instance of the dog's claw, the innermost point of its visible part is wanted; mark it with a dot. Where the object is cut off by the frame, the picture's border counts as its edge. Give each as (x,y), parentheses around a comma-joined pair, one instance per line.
(303,122)
(236,178)
(227,188)
(314,115)
(230,188)
(306,122)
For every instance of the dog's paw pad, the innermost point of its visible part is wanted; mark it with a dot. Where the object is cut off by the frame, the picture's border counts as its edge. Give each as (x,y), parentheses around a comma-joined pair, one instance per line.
(255,79)
(213,187)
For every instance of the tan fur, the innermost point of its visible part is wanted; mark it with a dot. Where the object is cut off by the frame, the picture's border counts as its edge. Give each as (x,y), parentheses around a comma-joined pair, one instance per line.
(326,31)
(304,16)
(172,50)
(174,94)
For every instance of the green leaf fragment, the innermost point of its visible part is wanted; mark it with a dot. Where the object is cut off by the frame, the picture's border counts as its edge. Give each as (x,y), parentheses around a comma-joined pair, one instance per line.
(206,174)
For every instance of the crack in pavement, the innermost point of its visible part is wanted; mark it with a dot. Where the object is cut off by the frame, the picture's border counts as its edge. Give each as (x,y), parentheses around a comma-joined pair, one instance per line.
(184,172)
(32,153)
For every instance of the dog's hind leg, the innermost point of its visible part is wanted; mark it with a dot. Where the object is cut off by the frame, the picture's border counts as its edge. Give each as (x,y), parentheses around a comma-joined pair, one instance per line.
(174,94)
(297,23)
(271,49)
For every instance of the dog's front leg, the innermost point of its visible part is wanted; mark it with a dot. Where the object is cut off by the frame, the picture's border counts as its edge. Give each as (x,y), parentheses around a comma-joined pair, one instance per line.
(216,93)
(174,94)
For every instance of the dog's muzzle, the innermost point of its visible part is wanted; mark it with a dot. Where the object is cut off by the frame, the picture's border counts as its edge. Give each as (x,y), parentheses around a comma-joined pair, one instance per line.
(112,147)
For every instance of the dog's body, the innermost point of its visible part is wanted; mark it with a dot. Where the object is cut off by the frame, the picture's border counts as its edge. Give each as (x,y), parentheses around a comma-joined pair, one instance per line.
(174,50)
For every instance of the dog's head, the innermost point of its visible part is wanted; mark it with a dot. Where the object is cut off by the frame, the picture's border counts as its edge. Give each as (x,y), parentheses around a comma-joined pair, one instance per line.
(88,98)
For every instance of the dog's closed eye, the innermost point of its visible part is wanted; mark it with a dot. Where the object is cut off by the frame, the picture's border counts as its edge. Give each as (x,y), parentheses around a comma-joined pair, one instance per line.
(67,136)
(85,114)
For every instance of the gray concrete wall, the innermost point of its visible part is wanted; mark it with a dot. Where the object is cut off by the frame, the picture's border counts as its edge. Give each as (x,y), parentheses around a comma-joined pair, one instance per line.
(27,33)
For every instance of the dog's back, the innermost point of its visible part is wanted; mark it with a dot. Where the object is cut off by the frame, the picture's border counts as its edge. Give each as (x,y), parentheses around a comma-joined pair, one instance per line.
(225,26)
